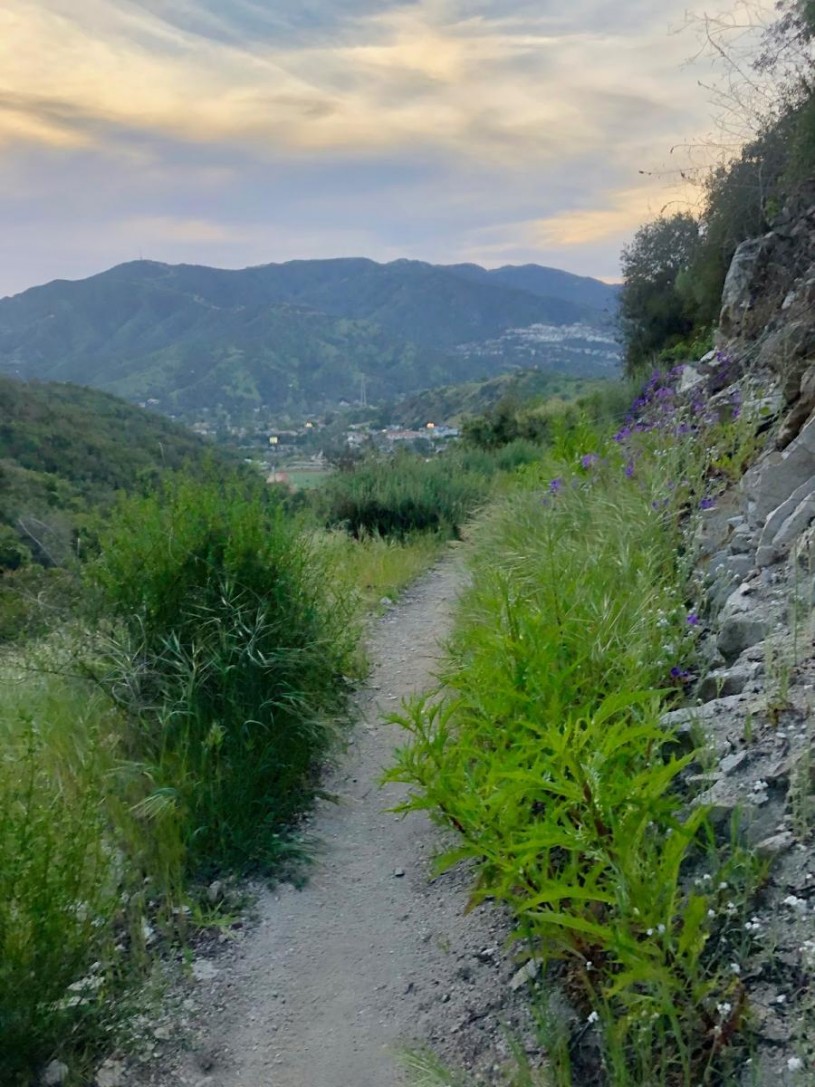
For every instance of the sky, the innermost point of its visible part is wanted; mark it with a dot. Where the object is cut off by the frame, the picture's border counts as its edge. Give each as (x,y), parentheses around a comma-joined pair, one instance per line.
(238,132)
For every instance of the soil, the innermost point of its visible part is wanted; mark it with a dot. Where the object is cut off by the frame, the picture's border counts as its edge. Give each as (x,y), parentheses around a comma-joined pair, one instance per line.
(330,983)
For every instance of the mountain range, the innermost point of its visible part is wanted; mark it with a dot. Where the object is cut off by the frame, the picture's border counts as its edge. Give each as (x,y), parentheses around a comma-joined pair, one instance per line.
(305,334)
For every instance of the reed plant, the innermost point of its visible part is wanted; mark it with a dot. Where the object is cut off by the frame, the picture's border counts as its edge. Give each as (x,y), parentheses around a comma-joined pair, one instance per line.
(402,495)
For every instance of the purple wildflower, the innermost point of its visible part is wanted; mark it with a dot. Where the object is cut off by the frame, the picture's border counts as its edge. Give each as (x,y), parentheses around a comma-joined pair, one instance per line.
(693,619)
(555,486)
(629,469)
(707,504)
(588,459)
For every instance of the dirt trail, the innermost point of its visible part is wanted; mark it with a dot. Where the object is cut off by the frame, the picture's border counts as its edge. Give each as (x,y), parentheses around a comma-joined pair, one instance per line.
(336,978)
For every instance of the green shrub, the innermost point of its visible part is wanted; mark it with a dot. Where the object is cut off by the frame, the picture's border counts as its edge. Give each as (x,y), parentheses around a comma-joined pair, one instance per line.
(231,653)
(653,312)
(401,495)
(34,600)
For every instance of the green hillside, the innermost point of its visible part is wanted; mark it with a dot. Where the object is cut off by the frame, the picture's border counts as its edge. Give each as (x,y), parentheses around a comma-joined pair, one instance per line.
(290,337)
(66,451)
(451,404)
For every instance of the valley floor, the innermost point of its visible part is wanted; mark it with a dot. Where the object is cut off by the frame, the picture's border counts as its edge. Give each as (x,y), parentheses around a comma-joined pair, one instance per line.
(373,955)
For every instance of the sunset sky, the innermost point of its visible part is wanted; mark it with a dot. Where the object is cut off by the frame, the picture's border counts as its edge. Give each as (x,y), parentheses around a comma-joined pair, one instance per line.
(235,132)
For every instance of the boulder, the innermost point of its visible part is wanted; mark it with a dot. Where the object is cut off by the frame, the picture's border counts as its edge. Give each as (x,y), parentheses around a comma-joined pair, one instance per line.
(801,411)
(689,379)
(788,351)
(722,682)
(742,542)
(715,720)
(777,517)
(110,1074)
(743,622)
(776,477)
(724,571)
(740,632)
(737,296)
(799,520)
(54,1074)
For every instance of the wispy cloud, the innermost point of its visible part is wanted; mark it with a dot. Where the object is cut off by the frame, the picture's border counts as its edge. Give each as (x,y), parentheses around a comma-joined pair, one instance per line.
(481,114)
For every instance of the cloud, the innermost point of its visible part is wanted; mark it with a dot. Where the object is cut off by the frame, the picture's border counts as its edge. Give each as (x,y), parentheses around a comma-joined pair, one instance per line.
(191,231)
(423,72)
(230,129)
(621,214)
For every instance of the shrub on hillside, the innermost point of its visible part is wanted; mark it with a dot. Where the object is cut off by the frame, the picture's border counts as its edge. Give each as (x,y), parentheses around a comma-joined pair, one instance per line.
(230,652)
(402,495)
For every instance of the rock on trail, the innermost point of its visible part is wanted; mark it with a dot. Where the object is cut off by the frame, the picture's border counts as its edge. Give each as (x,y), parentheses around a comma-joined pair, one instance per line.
(372,955)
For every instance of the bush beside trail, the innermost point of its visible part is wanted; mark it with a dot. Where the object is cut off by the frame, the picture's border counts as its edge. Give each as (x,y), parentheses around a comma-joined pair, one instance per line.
(179,738)
(232,657)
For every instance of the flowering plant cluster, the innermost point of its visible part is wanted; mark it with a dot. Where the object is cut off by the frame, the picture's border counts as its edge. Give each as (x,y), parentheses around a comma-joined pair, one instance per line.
(673,444)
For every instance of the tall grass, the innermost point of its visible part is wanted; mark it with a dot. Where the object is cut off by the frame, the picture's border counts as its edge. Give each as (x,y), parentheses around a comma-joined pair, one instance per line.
(69,900)
(546,753)
(372,568)
(232,655)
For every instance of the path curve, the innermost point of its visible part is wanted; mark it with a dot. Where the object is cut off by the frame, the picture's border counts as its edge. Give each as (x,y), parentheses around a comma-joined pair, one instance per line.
(372,954)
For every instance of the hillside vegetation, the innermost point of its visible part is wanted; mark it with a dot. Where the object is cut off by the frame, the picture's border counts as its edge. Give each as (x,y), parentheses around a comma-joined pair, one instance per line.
(180,641)
(295,336)
(65,453)
(451,404)
(675,267)
(546,751)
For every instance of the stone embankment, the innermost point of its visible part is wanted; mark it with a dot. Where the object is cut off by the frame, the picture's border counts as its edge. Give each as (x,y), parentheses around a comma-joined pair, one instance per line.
(756,569)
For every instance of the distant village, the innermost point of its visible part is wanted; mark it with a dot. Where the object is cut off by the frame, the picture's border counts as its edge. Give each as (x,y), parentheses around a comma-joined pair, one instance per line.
(317,445)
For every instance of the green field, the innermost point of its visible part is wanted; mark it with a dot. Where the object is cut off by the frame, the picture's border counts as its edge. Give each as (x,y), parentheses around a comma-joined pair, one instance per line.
(306,478)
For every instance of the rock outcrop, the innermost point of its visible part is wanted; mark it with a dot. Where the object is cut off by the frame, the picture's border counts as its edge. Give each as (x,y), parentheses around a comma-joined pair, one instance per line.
(756,567)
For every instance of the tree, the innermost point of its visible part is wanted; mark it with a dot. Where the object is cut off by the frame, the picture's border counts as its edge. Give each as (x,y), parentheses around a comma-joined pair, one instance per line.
(741,201)
(654,312)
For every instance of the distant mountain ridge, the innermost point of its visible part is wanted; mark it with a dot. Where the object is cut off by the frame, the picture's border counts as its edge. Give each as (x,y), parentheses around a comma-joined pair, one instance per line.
(300,335)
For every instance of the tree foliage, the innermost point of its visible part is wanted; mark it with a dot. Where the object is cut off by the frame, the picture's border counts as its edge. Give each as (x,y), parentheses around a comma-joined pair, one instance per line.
(654,311)
(675,268)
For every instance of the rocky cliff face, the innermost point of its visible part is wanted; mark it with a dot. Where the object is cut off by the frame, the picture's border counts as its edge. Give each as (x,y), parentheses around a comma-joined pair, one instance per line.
(756,567)
(768,310)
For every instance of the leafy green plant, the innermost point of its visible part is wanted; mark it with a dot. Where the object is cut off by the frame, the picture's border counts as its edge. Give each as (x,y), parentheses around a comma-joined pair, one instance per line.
(231,653)
(545,750)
